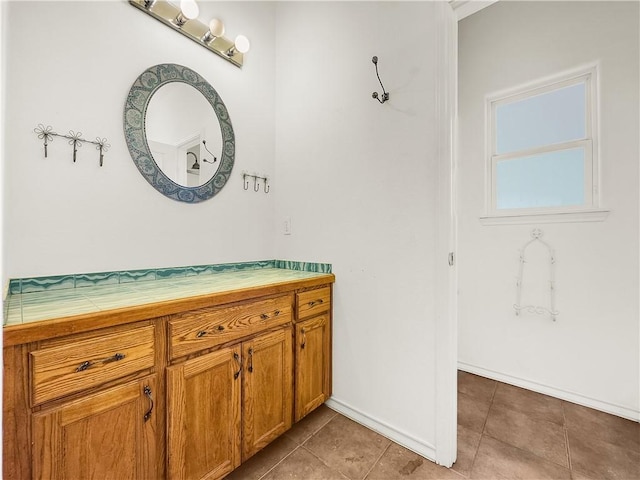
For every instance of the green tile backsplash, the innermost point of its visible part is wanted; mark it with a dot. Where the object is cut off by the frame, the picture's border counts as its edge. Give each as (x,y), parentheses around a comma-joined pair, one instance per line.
(60,282)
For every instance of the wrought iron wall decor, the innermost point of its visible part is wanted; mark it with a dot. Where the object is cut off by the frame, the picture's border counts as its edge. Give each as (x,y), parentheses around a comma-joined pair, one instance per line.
(256,182)
(183,19)
(385,96)
(75,138)
(536,235)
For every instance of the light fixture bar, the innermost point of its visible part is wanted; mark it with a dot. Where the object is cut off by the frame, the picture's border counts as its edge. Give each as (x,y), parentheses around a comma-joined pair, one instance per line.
(166,13)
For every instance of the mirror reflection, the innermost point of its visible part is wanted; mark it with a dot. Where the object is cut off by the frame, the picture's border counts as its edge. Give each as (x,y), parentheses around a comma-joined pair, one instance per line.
(183,134)
(177,113)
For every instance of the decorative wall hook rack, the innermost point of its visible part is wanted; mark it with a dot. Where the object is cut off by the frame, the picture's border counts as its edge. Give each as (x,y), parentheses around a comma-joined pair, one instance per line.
(536,235)
(256,182)
(385,96)
(75,138)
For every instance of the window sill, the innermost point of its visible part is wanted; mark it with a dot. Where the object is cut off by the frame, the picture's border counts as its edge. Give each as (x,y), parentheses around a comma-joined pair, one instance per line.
(562,217)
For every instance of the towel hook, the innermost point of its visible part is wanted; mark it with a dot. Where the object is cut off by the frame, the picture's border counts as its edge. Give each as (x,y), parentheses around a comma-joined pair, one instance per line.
(215,159)
(256,182)
(376,95)
(75,139)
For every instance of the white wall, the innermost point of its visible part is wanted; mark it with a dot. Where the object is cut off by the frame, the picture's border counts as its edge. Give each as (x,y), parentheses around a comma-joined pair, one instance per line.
(591,354)
(357,179)
(71,65)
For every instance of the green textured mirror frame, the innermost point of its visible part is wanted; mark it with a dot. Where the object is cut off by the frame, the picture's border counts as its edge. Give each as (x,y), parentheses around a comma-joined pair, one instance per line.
(135,120)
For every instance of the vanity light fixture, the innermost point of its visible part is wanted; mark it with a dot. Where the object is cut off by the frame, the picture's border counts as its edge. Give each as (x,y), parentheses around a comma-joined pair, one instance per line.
(188,11)
(216,29)
(241,45)
(184,19)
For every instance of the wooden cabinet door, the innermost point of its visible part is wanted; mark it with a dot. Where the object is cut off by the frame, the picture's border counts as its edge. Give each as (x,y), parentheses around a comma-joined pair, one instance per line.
(107,435)
(313,364)
(203,415)
(268,389)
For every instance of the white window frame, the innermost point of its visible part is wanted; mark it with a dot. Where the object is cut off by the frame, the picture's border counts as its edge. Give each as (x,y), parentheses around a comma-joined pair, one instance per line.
(590,210)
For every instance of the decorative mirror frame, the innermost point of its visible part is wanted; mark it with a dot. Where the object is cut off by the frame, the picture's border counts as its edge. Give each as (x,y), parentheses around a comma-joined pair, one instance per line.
(135,111)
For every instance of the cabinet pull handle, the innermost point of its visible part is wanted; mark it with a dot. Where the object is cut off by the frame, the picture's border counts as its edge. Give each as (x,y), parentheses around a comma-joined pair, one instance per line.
(114,358)
(90,363)
(264,316)
(147,392)
(276,313)
(250,368)
(83,366)
(314,302)
(304,339)
(236,357)
(202,333)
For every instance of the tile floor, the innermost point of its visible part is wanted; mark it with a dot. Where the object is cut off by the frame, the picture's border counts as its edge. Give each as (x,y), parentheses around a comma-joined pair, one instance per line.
(504,432)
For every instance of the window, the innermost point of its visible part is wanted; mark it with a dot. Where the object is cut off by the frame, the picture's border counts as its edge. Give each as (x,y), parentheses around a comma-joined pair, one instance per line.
(541,148)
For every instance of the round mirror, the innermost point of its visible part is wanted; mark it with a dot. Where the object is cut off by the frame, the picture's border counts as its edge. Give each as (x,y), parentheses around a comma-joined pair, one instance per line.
(179,133)
(183,134)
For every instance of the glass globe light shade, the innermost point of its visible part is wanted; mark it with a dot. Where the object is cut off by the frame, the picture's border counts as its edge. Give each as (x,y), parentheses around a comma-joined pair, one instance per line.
(216,27)
(189,9)
(242,44)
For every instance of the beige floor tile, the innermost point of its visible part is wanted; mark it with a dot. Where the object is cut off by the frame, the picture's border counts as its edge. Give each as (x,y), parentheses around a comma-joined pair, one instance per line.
(545,439)
(535,405)
(499,461)
(609,428)
(303,465)
(347,447)
(400,463)
(468,442)
(472,413)
(479,388)
(579,476)
(301,431)
(602,460)
(264,460)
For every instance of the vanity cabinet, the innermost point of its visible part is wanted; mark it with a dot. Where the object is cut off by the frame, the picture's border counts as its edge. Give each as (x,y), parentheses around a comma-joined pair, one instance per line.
(110,434)
(203,421)
(313,365)
(77,364)
(227,405)
(267,404)
(313,350)
(177,390)
(91,400)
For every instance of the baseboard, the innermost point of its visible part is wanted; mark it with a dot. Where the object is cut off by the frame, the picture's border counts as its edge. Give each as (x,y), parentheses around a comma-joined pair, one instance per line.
(569,396)
(418,446)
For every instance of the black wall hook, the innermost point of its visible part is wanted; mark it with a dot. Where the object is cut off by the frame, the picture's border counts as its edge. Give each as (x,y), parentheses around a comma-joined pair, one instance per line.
(385,96)
(204,142)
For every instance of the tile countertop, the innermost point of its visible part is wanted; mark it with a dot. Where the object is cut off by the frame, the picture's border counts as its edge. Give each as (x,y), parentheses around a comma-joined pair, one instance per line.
(27,308)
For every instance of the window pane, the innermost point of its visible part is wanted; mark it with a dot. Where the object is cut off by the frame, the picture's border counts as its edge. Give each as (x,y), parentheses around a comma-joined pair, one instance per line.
(545,119)
(548,180)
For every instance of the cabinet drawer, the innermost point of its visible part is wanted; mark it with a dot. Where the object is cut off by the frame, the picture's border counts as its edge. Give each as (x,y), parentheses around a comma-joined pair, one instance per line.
(78,365)
(313,302)
(190,332)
